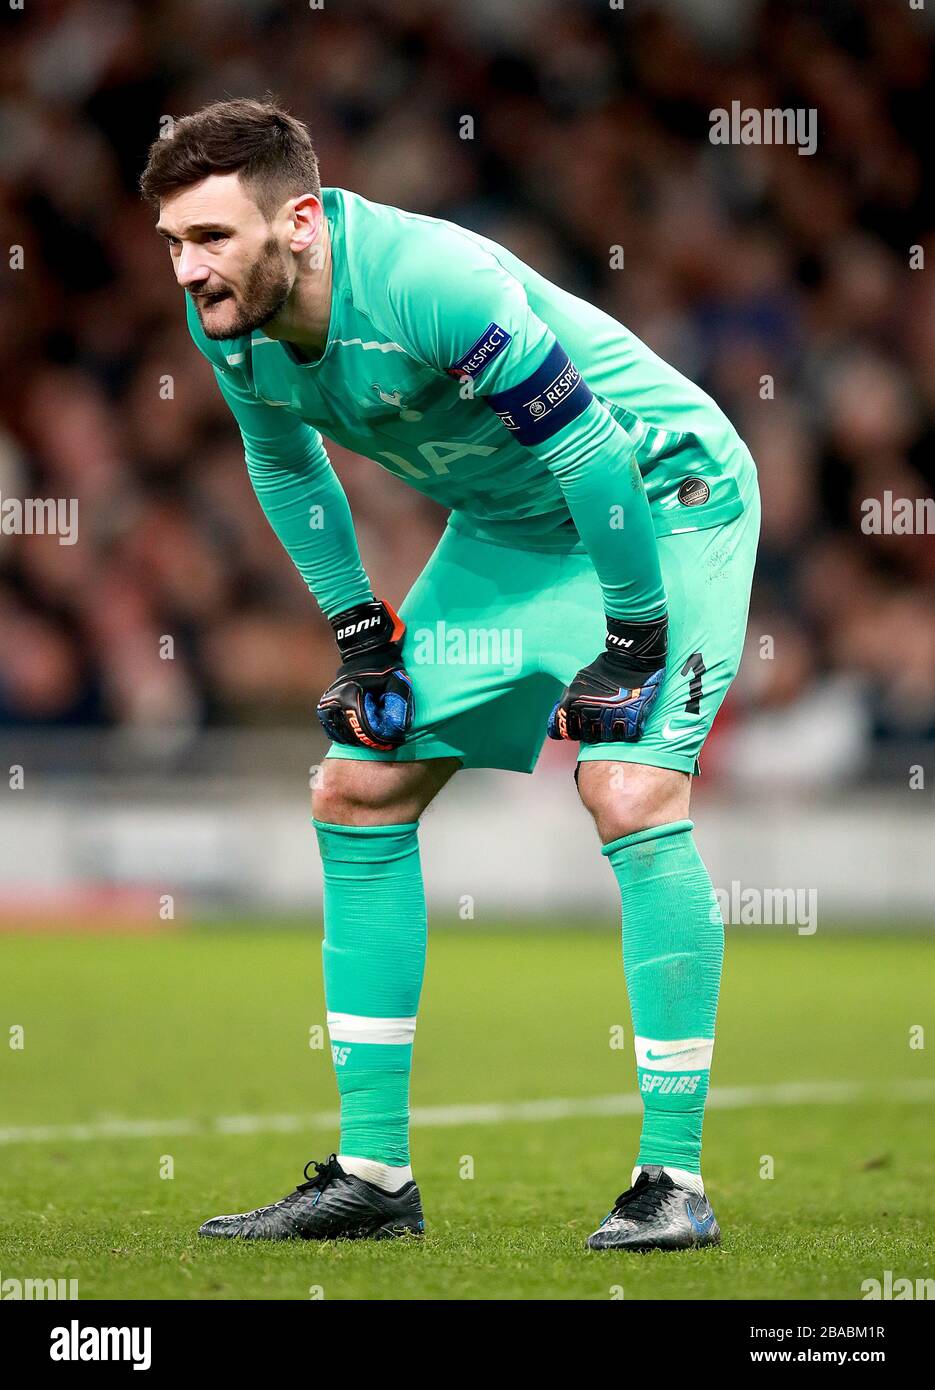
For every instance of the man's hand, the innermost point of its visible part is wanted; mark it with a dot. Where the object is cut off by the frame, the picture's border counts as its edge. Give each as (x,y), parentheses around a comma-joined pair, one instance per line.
(610,700)
(369,702)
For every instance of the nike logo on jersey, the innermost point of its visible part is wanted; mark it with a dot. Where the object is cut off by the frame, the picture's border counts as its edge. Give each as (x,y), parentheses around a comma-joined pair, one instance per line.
(668,733)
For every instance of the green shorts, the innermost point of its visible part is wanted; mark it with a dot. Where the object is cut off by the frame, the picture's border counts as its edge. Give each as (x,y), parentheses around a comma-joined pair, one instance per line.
(494,634)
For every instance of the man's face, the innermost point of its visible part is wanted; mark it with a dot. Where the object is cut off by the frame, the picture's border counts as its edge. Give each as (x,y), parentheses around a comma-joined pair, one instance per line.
(235,265)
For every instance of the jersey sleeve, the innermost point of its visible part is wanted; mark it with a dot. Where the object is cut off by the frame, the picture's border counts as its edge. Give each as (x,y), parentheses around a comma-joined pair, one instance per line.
(301,496)
(457,309)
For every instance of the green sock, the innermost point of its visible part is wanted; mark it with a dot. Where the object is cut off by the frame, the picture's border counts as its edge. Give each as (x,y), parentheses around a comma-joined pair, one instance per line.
(673,946)
(374,960)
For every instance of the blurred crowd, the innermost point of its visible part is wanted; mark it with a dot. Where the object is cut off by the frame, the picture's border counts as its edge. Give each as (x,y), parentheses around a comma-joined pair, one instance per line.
(797,289)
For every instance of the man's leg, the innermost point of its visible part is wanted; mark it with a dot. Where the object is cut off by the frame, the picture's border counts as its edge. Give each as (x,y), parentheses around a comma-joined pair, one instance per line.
(673,946)
(366,817)
(480,708)
(638,793)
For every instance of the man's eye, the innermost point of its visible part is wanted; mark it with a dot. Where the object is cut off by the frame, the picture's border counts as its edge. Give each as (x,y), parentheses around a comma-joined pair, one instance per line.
(215,236)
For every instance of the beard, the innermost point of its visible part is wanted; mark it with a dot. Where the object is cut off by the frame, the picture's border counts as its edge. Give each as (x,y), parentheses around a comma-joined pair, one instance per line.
(266,288)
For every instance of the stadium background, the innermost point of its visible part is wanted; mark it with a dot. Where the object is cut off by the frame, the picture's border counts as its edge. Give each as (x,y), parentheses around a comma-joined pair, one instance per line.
(780,282)
(146,793)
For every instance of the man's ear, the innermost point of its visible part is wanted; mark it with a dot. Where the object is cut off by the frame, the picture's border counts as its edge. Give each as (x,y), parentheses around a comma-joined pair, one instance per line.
(307,217)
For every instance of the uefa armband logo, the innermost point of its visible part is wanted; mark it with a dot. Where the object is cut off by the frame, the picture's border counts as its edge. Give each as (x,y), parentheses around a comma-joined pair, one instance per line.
(488,346)
(545,402)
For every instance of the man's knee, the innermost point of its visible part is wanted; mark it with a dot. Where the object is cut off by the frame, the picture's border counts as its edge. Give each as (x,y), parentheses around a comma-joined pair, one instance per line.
(351,791)
(624,798)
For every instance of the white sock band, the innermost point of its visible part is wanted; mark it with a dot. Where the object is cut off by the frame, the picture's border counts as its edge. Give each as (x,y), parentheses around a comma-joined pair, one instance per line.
(680,1176)
(382,1175)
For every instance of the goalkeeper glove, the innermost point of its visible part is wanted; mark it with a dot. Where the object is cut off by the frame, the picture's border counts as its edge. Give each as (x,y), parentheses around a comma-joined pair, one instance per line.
(369,702)
(610,700)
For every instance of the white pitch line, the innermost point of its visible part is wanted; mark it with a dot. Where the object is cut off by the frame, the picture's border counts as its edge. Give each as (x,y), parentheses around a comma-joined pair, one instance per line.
(496,1113)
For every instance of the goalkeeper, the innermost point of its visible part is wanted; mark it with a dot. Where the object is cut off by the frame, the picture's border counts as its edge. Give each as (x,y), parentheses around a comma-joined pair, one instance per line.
(603,511)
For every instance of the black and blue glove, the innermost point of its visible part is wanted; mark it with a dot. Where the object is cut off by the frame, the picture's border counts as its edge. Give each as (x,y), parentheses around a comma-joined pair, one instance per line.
(369,702)
(610,700)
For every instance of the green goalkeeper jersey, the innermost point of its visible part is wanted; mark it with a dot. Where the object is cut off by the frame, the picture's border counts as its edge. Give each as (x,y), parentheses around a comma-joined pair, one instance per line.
(536,419)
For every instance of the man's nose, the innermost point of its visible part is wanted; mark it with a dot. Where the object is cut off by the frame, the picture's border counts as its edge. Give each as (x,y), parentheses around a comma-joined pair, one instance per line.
(190,269)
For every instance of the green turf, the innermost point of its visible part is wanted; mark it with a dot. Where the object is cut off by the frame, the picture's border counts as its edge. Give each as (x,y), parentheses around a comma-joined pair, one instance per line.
(195,1025)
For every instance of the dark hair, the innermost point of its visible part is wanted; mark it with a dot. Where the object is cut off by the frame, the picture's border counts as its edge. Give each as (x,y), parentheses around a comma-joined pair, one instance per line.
(270,150)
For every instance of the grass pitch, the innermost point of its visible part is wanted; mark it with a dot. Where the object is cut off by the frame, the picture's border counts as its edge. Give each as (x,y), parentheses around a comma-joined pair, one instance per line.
(189,1054)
